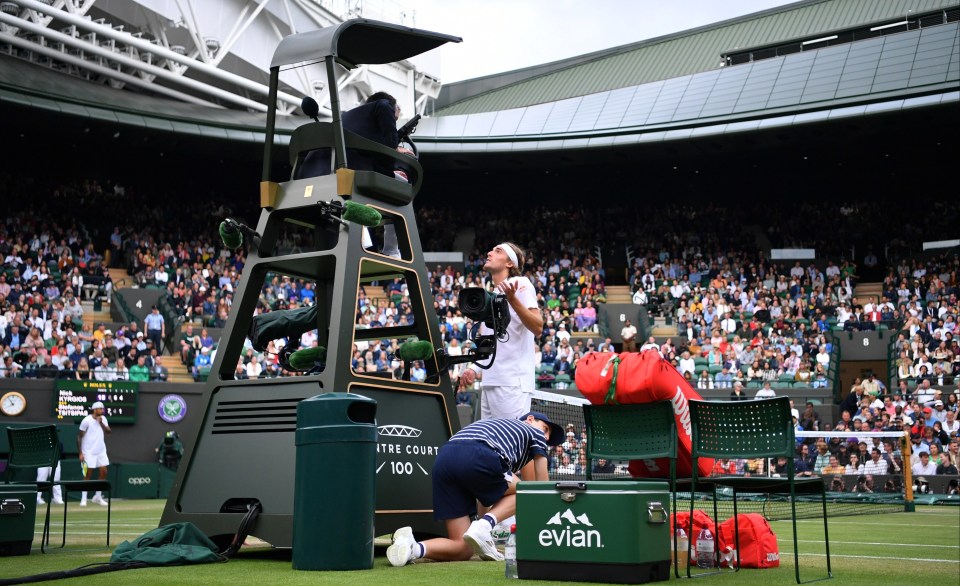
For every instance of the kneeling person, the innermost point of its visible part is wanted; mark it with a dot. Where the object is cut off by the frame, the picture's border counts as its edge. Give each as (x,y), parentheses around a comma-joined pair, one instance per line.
(481,462)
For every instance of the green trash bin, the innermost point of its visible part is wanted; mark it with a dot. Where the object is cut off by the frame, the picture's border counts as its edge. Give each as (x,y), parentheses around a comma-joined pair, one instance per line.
(334,497)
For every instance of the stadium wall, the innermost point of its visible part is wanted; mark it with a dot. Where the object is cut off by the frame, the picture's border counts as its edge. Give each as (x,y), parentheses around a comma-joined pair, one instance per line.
(127,443)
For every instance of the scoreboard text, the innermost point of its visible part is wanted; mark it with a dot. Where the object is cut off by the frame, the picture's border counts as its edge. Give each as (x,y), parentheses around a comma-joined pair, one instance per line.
(74,398)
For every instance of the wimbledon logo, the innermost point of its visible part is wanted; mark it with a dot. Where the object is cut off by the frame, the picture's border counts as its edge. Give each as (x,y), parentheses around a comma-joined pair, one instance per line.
(172,408)
(570,536)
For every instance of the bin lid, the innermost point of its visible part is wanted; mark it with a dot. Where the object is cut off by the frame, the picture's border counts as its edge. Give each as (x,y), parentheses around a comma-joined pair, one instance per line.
(337,409)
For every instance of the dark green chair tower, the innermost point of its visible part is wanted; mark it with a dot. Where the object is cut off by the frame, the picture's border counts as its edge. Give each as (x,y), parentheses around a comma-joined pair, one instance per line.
(244,451)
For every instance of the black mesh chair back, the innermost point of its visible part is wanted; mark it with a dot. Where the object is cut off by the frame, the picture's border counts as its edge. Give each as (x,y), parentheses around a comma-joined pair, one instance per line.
(32,448)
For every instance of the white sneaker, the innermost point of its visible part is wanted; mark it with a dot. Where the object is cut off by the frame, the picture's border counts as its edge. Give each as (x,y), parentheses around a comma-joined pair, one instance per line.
(58,501)
(41,501)
(481,540)
(83,503)
(401,551)
(99,500)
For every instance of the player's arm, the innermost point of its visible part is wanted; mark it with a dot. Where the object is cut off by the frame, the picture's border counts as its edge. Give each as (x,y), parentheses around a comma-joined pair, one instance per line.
(80,443)
(103,425)
(540,468)
(530,317)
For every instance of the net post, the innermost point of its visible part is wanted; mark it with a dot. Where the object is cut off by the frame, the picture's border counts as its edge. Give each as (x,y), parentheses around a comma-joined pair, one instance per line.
(908,504)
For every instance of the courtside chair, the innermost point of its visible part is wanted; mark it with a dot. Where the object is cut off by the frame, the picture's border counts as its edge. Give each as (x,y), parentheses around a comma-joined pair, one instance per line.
(32,448)
(638,431)
(69,486)
(754,429)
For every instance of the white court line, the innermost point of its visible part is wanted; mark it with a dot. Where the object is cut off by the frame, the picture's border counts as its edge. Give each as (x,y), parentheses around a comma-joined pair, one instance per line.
(869,557)
(102,534)
(879,543)
(855,522)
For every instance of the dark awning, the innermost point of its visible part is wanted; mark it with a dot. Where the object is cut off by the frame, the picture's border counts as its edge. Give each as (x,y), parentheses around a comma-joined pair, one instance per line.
(358,41)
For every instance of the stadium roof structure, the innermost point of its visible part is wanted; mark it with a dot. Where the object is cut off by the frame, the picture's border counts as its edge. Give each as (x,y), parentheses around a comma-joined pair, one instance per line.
(213,55)
(807,62)
(919,67)
(675,55)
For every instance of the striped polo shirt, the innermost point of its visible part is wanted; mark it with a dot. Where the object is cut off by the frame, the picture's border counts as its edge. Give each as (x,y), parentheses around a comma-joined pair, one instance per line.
(515,441)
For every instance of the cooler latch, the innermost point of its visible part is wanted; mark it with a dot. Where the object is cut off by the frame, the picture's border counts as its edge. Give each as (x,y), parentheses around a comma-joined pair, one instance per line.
(12,507)
(656,514)
(568,490)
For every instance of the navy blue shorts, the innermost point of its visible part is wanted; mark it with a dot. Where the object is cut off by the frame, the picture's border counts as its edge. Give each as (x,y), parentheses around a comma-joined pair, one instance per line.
(466,472)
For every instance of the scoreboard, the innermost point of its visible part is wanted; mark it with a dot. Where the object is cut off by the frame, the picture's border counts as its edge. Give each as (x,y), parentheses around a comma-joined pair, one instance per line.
(74,397)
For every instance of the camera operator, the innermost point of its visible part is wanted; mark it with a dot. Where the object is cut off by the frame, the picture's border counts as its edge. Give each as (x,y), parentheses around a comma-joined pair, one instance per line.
(508,383)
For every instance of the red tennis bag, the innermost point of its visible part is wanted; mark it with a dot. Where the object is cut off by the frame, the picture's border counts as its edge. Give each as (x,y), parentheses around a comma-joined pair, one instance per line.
(758,542)
(644,377)
(701,520)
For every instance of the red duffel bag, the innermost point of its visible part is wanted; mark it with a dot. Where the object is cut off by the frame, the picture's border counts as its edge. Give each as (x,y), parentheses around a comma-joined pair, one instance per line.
(758,542)
(643,377)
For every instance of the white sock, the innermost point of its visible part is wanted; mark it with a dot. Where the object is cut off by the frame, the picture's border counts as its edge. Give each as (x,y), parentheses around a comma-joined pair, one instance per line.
(489,518)
(418,551)
(83,496)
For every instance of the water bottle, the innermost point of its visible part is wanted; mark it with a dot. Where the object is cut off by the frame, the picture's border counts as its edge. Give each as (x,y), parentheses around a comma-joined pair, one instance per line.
(683,546)
(705,548)
(510,553)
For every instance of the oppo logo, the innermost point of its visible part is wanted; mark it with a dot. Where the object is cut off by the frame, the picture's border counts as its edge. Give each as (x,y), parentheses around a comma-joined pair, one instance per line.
(139,480)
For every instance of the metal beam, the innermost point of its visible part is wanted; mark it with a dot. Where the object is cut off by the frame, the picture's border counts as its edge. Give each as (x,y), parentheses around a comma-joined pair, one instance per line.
(101,70)
(128,39)
(193,27)
(132,63)
(239,29)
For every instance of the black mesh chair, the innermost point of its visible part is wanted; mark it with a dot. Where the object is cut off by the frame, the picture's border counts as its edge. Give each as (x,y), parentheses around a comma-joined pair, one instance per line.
(31,448)
(69,486)
(638,431)
(754,429)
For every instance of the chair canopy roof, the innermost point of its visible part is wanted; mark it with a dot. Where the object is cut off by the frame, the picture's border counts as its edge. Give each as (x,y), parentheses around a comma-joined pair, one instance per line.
(358,41)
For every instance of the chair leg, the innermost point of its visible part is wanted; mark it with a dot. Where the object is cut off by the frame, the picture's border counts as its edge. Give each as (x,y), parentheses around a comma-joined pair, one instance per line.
(826,534)
(66,503)
(45,536)
(736,530)
(109,511)
(793,519)
(690,535)
(716,531)
(673,527)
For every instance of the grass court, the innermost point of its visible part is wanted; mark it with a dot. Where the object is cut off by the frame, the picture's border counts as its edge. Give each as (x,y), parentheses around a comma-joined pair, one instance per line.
(894,548)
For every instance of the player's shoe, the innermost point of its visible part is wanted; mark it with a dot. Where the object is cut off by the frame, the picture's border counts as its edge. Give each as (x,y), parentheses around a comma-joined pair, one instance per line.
(83,502)
(40,501)
(480,539)
(400,553)
(58,501)
(99,500)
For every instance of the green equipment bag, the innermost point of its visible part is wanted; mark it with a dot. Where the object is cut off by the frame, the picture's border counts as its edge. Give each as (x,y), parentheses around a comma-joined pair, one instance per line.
(176,544)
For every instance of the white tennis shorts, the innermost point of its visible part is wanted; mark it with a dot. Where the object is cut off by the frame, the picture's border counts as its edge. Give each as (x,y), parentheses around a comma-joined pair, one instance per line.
(96,460)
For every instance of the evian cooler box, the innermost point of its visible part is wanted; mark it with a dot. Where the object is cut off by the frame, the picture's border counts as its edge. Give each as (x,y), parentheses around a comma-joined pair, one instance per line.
(594,531)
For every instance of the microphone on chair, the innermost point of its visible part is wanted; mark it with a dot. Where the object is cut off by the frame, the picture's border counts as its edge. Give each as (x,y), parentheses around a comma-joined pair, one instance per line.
(416,350)
(232,232)
(411,351)
(306,359)
(359,213)
(232,237)
(351,211)
(310,108)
